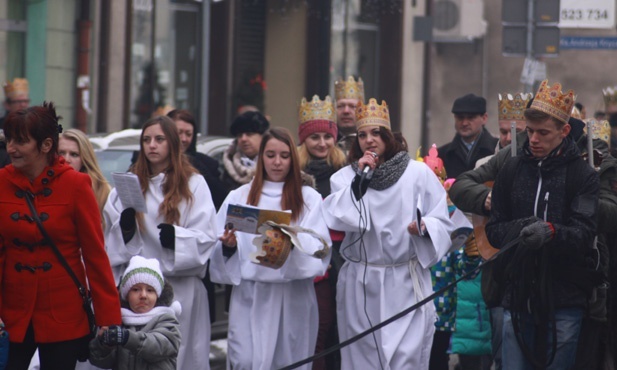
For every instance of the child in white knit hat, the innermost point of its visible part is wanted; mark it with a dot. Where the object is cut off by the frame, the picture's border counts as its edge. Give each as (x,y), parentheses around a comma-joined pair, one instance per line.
(149,337)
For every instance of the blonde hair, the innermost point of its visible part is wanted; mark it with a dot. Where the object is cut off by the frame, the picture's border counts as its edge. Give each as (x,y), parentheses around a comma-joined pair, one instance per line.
(89,165)
(336,157)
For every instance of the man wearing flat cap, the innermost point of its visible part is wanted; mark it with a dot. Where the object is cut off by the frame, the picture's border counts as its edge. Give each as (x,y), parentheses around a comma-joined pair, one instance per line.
(240,158)
(472,141)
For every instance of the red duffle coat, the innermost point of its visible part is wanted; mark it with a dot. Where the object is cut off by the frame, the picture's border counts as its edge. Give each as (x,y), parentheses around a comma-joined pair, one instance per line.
(35,286)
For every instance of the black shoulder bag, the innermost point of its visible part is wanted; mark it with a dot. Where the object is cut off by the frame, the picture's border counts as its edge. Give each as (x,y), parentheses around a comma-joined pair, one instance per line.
(83,292)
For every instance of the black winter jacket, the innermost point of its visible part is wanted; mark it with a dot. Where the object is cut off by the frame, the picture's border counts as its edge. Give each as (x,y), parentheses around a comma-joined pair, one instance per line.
(538,188)
(457,160)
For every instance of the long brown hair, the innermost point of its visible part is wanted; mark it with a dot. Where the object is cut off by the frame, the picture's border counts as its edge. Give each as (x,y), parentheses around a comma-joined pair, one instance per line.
(175,185)
(292,189)
(394,144)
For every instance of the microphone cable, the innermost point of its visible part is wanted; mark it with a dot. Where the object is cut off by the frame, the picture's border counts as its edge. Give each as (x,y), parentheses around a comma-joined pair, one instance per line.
(430,298)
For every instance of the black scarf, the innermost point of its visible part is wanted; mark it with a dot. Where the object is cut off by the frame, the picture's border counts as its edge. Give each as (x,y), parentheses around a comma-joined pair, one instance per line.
(388,173)
(321,171)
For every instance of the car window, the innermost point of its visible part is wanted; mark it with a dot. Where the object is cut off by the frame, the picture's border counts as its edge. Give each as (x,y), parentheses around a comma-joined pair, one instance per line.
(113,161)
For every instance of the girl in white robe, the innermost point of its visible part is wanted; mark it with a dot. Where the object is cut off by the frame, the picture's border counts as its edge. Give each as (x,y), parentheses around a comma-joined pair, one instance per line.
(273,316)
(182,243)
(387,260)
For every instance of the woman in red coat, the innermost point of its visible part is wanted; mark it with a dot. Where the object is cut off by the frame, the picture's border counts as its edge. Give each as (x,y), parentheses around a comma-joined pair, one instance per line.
(39,303)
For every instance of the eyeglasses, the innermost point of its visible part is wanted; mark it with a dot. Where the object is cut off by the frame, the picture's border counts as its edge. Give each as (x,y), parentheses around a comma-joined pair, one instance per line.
(20,101)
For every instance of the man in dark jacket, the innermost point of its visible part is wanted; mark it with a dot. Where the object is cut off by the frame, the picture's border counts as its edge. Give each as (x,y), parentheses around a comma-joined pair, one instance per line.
(472,141)
(547,200)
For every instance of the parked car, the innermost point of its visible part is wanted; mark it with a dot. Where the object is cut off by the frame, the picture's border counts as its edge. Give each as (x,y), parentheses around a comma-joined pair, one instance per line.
(115,151)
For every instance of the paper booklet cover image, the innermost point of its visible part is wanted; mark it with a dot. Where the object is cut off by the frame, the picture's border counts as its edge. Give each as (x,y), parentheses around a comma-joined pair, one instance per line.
(248,219)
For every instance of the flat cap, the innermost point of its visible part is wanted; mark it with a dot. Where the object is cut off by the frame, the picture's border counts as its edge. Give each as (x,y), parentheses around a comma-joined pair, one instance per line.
(469,104)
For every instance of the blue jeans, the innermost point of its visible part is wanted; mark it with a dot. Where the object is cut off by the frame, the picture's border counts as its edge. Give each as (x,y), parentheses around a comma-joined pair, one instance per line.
(497,326)
(568,324)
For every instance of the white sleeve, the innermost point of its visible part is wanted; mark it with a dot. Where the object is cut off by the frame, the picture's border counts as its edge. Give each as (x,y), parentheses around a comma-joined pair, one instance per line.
(196,237)
(118,252)
(299,265)
(224,270)
(437,220)
(340,209)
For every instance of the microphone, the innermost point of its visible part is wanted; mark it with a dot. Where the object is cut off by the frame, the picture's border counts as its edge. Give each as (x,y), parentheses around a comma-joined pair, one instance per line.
(366,171)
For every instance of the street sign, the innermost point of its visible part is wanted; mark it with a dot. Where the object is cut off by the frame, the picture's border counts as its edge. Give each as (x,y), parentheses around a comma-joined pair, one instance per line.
(587,14)
(580,42)
(514,12)
(545,41)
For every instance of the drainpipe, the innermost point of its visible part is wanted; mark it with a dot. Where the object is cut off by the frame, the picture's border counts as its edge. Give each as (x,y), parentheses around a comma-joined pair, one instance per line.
(82,91)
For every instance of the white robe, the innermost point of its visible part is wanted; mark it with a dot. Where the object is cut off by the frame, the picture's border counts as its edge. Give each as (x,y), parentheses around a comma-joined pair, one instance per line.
(183,267)
(273,316)
(385,286)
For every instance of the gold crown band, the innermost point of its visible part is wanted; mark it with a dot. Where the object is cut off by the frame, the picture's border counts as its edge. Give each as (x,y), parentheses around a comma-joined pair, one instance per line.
(19,86)
(552,101)
(372,114)
(512,108)
(316,109)
(349,89)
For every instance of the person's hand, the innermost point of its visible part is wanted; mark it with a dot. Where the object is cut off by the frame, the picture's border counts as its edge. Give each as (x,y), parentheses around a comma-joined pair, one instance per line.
(1,327)
(487,201)
(412,228)
(113,335)
(368,159)
(167,236)
(128,224)
(536,234)
(471,248)
(229,238)
(127,219)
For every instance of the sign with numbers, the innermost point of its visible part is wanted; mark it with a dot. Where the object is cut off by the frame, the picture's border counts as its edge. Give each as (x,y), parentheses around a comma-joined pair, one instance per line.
(587,14)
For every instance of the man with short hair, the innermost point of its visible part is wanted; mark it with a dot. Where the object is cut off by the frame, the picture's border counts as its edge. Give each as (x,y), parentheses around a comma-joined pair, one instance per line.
(348,95)
(546,199)
(472,141)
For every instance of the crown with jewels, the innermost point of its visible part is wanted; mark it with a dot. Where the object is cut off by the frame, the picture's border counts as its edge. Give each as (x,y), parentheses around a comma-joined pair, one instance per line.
(600,129)
(550,100)
(372,114)
(350,89)
(512,108)
(316,109)
(19,86)
(316,116)
(610,95)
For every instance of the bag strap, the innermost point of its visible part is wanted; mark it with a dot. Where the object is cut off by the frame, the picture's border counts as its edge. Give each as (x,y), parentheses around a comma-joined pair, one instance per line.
(29,196)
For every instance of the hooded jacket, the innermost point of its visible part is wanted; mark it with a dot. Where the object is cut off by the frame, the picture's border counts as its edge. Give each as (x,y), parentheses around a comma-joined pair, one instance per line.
(35,287)
(153,346)
(537,188)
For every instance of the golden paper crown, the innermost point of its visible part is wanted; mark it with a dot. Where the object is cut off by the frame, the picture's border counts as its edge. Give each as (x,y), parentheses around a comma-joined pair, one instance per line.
(553,102)
(349,89)
(18,87)
(316,110)
(162,111)
(372,114)
(599,129)
(512,108)
(610,95)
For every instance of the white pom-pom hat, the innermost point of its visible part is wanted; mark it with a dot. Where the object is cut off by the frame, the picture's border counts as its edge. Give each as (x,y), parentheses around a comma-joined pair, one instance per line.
(142,270)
